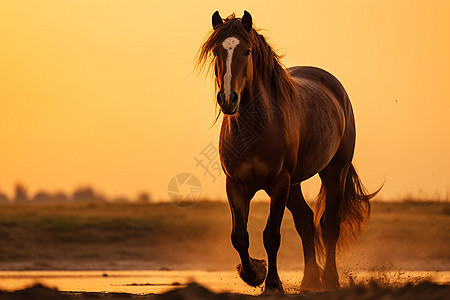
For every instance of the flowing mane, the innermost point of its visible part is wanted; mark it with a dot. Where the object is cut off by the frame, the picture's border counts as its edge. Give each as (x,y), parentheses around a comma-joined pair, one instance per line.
(267,65)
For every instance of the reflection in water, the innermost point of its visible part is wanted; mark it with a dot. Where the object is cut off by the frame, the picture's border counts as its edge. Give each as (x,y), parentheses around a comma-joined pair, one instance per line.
(147,282)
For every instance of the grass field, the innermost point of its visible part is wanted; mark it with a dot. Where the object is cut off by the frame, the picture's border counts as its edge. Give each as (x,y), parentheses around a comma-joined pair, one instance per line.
(400,235)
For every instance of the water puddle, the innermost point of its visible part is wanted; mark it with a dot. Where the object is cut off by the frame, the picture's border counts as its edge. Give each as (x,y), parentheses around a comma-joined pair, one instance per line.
(148,282)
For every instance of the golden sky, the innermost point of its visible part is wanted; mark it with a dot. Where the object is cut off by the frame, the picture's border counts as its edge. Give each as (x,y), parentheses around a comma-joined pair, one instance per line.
(103,92)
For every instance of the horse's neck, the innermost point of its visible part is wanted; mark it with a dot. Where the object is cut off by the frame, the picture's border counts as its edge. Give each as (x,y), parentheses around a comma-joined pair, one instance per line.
(256,113)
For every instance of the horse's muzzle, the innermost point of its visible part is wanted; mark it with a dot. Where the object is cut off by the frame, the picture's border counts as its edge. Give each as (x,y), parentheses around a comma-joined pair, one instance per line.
(230,104)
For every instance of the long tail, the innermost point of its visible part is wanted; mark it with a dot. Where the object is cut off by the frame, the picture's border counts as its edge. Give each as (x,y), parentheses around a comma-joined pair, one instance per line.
(354,213)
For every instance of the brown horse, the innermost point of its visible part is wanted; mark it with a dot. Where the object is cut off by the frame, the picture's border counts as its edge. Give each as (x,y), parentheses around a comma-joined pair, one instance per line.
(281,127)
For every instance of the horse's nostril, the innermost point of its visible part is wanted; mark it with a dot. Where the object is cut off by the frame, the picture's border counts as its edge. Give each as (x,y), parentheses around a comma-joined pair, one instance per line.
(234,98)
(220,98)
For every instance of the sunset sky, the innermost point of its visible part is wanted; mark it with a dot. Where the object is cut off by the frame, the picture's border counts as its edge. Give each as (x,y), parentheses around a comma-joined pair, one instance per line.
(103,93)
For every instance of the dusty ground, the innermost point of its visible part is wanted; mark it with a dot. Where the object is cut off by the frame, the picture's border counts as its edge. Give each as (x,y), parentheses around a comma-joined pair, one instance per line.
(400,236)
(371,291)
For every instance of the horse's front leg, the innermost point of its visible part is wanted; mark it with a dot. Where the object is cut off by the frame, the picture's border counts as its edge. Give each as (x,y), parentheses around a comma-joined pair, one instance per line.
(252,271)
(278,197)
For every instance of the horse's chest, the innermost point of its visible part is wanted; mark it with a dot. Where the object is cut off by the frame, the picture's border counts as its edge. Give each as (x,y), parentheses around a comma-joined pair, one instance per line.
(252,153)
(250,169)
(257,166)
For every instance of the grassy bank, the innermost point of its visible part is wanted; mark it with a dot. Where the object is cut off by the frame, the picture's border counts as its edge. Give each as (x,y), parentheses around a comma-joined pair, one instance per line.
(407,235)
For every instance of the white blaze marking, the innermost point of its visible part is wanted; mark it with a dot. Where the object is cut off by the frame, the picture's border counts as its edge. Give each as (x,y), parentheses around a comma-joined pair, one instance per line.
(229,44)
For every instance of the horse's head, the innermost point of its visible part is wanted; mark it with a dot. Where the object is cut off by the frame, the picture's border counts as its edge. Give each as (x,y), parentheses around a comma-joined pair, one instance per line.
(233,65)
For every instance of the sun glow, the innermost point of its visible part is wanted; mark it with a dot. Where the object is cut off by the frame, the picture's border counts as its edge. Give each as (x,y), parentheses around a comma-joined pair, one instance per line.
(102,93)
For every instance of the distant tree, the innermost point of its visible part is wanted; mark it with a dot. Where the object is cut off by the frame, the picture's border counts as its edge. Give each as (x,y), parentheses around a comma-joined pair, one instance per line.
(21,195)
(120,200)
(84,195)
(100,198)
(4,198)
(42,197)
(60,197)
(144,198)
(87,194)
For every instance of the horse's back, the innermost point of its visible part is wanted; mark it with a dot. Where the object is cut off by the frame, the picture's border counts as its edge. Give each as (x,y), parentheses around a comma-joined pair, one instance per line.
(328,119)
(325,78)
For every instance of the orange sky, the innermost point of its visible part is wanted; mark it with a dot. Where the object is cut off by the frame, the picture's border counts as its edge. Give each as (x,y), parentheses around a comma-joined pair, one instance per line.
(103,93)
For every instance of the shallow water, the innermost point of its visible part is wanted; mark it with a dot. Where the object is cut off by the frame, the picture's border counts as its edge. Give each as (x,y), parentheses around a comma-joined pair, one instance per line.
(147,282)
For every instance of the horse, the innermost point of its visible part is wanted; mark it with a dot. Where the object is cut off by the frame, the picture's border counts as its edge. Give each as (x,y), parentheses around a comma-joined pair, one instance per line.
(280,127)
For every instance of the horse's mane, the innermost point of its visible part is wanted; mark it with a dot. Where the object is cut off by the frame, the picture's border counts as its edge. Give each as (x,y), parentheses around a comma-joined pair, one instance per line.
(267,64)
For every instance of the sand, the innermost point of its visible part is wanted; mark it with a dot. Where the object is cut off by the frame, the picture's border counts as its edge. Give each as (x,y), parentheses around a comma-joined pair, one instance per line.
(423,290)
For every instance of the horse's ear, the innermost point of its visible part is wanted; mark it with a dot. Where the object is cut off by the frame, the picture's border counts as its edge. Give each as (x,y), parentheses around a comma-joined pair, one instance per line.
(247,21)
(216,20)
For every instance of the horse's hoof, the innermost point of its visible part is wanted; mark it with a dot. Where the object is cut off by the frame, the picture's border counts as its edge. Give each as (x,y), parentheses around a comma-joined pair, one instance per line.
(273,289)
(330,286)
(330,282)
(273,286)
(313,285)
(257,274)
(311,282)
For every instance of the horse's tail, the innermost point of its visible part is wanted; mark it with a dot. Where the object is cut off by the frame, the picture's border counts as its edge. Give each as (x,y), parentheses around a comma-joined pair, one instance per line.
(318,212)
(354,212)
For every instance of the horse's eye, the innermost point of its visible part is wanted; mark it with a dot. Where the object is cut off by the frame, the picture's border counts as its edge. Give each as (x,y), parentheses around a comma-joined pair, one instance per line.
(248,52)
(214,53)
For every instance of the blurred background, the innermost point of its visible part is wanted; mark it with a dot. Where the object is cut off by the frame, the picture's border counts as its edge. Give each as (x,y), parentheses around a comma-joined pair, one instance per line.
(100,106)
(100,98)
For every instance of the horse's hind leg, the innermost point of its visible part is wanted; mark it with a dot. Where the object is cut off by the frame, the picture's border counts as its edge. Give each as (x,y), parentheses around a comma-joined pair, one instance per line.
(333,179)
(303,219)
(252,271)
